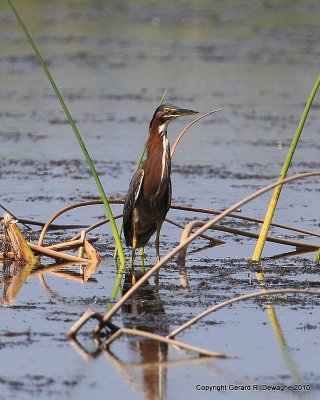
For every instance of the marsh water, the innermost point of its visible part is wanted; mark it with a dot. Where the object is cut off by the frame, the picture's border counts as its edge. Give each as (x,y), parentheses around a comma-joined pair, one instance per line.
(113,60)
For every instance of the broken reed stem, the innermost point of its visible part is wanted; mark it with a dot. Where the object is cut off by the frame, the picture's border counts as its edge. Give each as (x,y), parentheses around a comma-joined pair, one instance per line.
(189,126)
(201,230)
(277,191)
(162,339)
(76,132)
(236,299)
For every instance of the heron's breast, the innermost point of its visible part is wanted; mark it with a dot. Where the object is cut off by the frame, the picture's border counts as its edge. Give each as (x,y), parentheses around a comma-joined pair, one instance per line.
(157,168)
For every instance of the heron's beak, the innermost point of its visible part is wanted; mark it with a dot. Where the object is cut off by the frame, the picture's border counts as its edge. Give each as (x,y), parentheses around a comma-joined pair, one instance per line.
(180,112)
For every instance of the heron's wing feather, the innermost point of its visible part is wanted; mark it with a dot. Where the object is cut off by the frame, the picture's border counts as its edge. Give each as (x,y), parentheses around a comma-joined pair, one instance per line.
(169,195)
(131,199)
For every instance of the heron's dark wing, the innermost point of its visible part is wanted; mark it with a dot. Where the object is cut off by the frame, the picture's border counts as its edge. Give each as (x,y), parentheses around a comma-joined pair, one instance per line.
(169,195)
(131,199)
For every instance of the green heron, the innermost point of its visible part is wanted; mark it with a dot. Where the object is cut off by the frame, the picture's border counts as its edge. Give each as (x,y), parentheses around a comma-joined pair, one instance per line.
(149,195)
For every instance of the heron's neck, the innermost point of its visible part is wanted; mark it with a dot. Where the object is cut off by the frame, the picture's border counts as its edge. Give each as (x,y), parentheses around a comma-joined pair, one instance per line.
(158,147)
(158,160)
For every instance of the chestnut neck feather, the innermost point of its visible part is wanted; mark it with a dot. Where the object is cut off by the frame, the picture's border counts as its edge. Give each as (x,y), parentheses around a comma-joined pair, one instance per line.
(157,163)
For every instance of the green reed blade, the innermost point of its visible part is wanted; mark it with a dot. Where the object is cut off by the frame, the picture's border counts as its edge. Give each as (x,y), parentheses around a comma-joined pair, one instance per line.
(77,133)
(276,194)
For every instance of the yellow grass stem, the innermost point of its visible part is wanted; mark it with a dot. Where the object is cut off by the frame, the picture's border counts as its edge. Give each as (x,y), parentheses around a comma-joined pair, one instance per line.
(276,193)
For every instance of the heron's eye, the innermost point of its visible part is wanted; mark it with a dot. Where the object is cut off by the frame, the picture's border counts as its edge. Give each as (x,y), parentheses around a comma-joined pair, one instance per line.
(166,110)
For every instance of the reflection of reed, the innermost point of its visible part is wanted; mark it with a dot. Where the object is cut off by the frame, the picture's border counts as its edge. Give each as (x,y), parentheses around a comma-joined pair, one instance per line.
(272,315)
(12,283)
(58,269)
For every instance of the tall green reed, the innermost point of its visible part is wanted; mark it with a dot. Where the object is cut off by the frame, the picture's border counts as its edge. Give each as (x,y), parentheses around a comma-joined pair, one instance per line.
(75,130)
(276,194)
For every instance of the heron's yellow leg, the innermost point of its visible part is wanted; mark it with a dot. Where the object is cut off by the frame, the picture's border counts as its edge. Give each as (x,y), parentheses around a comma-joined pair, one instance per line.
(142,257)
(157,243)
(157,246)
(134,245)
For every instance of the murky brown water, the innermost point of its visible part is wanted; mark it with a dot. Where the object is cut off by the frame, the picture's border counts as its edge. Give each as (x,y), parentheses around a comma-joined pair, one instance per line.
(112,62)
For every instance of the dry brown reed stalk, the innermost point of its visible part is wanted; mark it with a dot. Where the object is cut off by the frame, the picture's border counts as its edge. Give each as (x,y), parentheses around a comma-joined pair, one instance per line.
(192,237)
(214,241)
(48,225)
(162,339)
(24,251)
(86,316)
(189,126)
(170,221)
(69,245)
(14,239)
(236,299)
(244,218)
(287,242)
(62,211)
(6,254)
(193,224)
(49,251)
(44,251)
(96,225)
(68,208)
(91,252)
(52,226)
